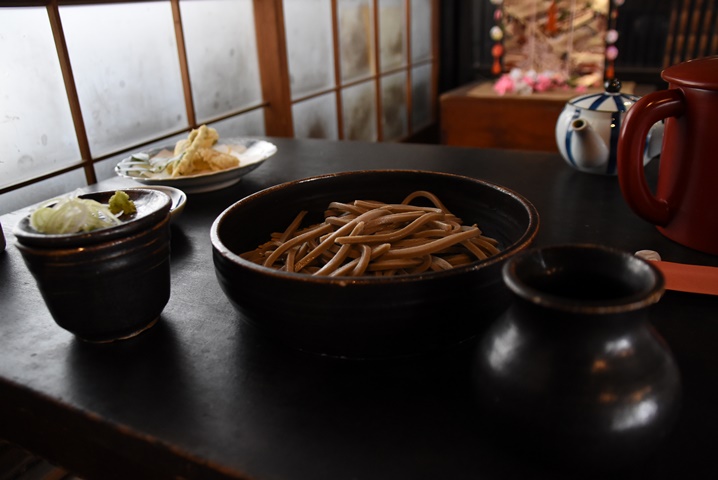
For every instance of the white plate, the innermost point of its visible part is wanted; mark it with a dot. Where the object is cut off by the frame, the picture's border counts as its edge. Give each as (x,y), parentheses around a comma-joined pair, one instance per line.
(251,154)
(178,198)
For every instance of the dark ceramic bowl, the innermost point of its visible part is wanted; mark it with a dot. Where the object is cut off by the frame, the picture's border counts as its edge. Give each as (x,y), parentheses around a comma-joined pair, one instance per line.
(107,284)
(370,317)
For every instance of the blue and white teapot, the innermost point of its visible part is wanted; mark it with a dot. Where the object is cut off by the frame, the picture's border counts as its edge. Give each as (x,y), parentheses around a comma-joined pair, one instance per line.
(588,128)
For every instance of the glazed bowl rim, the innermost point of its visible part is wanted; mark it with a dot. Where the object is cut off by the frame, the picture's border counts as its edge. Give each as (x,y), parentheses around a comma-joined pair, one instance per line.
(526,238)
(634,301)
(25,235)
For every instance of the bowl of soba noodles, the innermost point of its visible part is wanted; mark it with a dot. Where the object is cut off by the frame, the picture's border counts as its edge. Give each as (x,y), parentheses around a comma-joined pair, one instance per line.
(372,263)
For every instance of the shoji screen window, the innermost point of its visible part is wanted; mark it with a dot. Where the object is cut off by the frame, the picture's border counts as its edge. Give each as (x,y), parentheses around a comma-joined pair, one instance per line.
(86,83)
(361,69)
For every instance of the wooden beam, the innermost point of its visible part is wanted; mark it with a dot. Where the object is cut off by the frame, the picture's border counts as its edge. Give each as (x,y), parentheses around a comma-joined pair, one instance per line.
(273,67)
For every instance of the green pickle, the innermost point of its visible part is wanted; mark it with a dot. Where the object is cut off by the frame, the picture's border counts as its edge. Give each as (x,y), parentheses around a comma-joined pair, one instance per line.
(121,202)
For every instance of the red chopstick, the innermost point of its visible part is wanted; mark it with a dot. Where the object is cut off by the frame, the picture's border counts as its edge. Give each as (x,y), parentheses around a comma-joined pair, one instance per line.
(689,278)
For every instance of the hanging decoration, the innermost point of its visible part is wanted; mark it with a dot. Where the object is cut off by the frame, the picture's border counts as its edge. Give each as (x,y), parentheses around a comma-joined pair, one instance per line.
(551,26)
(497,35)
(541,45)
(611,39)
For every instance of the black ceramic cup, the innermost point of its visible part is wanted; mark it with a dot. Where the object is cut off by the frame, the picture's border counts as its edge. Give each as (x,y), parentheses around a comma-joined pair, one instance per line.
(109,284)
(573,371)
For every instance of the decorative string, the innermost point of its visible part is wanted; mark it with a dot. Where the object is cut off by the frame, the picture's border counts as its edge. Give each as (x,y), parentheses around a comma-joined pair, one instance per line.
(571,32)
(532,36)
(611,38)
(497,35)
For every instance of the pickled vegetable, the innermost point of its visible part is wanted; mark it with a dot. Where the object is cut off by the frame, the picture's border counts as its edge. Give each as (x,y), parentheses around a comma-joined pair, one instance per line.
(75,215)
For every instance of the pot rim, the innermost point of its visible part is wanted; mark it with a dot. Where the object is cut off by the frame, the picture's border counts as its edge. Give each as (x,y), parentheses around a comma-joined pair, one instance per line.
(649,277)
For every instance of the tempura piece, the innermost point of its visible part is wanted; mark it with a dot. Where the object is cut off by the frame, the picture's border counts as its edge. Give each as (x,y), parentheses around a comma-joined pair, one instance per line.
(199,154)
(202,137)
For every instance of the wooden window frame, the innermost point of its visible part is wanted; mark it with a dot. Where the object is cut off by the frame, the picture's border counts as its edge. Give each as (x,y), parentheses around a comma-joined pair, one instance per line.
(276,101)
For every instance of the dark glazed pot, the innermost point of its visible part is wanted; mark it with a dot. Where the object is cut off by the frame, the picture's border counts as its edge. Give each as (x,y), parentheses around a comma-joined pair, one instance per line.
(370,316)
(108,284)
(573,371)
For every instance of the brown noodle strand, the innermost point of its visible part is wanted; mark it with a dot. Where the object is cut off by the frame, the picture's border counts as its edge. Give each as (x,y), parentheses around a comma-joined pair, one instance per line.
(289,232)
(326,243)
(361,266)
(346,207)
(346,269)
(429,196)
(431,247)
(374,238)
(459,259)
(388,221)
(397,263)
(473,248)
(393,236)
(291,256)
(380,250)
(396,207)
(338,258)
(438,263)
(424,266)
(486,243)
(294,241)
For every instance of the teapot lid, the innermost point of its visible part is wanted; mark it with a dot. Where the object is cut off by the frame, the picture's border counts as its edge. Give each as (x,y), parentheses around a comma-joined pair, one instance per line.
(697,73)
(612,100)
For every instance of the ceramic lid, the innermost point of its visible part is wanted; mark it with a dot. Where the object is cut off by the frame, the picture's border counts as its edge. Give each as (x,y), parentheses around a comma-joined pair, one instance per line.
(611,100)
(698,73)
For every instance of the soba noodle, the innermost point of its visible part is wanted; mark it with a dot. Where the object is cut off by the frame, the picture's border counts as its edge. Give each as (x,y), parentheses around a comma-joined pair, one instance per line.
(375,238)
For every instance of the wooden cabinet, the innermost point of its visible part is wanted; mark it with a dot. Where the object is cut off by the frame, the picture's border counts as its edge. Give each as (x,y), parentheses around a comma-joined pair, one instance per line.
(475,115)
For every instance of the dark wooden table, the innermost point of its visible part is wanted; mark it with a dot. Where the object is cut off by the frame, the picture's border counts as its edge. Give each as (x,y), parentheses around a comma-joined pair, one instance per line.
(202,396)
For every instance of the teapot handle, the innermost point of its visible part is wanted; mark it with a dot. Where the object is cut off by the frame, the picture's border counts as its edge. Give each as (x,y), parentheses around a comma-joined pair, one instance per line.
(639,119)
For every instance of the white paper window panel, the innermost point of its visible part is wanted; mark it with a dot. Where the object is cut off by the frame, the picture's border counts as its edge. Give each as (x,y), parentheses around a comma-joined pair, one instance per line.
(392,34)
(125,63)
(41,191)
(394,106)
(421,105)
(221,55)
(420,30)
(250,124)
(36,130)
(310,51)
(316,117)
(356,39)
(359,112)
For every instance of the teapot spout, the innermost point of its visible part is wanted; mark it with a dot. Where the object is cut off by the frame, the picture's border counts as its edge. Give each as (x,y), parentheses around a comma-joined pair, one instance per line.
(588,149)
(654,142)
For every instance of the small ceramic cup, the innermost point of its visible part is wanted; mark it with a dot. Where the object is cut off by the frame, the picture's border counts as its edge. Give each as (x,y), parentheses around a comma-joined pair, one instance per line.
(108,284)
